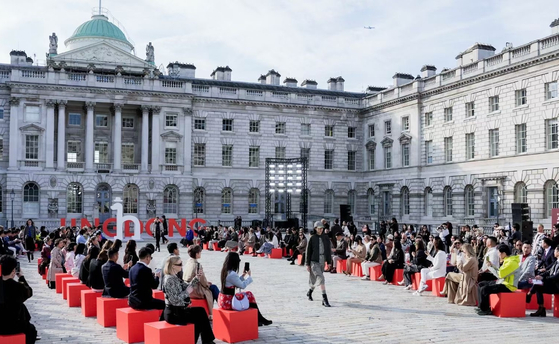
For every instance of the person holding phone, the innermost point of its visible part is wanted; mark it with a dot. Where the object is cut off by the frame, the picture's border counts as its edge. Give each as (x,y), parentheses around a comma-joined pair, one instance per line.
(202,288)
(230,280)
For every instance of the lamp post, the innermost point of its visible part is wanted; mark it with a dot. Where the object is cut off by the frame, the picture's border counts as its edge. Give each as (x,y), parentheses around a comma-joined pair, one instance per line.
(12,197)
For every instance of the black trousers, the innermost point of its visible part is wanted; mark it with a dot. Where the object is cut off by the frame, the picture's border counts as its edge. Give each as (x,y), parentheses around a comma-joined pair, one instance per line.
(409,271)
(546,288)
(388,271)
(487,288)
(157,240)
(486,276)
(191,315)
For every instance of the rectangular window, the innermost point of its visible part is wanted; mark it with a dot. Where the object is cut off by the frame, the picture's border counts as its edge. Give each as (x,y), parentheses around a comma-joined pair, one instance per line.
(199,158)
(429,152)
(428,119)
(371,130)
(552,132)
(387,157)
(520,135)
(329,130)
(199,124)
(253,156)
(387,127)
(1,148)
(371,159)
(305,129)
(494,104)
(101,154)
(351,160)
(280,152)
(128,122)
(227,155)
(1,113)
(406,154)
(306,153)
(227,124)
(73,148)
(75,119)
(448,114)
(170,153)
(405,123)
(448,149)
(101,121)
(171,120)
(127,153)
(280,127)
(32,114)
(551,90)
(351,132)
(328,159)
(470,146)
(32,147)
(254,126)
(470,110)
(494,142)
(520,97)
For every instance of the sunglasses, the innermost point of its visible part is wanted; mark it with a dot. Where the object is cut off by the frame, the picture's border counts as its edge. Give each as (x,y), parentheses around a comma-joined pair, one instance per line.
(178,264)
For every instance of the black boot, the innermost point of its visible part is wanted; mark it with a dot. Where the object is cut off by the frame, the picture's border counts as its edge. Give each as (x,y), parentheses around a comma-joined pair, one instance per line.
(309,295)
(325,301)
(528,297)
(261,319)
(539,313)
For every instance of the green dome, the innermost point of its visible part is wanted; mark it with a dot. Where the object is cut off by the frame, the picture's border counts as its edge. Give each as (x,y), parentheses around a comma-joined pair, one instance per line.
(99,26)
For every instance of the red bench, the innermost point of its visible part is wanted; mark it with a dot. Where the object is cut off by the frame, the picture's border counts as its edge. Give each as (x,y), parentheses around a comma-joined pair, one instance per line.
(130,323)
(106,310)
(74,292)
(556,305)
(375,272)
(12,338)
(508,305)
(416,280)
(276,253)
(161,332)
(398,276)
(340,265)
(215,247)
(89,302)
(356,269)
(200,303)
(158,294)
(205,246)
(533,305)
(300,259)
(65,282)
(234,326)
(438,286)
(58,281)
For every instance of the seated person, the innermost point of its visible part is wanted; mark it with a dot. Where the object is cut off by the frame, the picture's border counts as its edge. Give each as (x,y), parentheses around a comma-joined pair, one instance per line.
(177,301)
(491,258)
(461,286)
(373,258)
(548,257)
(527,266)
(96,271)
(360,253)
(267,247)
(417,262)
(113,276)
(203,289)
(438,269)
(78,260)
(142,283)
(92,254)
(507,279)
(394,261)
(14,316)
(550,280)
(300,248)
(340,251)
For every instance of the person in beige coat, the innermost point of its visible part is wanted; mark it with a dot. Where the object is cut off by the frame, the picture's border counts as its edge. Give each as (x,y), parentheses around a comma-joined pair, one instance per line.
(461,288)
(56,262)
(359,255)
(203,289)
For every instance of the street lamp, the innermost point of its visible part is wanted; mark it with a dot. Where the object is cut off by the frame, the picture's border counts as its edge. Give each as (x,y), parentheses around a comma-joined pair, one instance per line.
(12,197)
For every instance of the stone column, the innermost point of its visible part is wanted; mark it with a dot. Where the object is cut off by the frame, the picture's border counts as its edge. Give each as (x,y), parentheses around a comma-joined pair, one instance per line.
(187,137)
(14,134)
(89,127)
(61,142)
(49,153)
(145,138)
(155,139)
(118,138)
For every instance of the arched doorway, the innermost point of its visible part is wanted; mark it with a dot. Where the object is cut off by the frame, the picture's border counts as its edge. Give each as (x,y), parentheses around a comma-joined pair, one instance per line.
(103,200)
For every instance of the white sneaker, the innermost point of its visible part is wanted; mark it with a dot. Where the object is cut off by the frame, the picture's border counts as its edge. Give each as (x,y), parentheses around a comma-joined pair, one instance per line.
(365,278)
(408,287)
(401,283)
(417,293)
(423,288)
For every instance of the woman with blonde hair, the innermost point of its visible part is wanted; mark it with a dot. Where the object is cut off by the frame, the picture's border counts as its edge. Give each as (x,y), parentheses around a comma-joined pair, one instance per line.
(202,289)
(461,287)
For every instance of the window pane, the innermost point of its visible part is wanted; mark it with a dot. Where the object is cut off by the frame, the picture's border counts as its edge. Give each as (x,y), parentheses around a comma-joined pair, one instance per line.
(227,155)
(351,160)
(200,123)
(32,147)
(254,156)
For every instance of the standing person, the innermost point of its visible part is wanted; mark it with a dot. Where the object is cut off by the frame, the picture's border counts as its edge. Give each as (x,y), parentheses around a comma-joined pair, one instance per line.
(56,262)
(318,253)
(165,229)
(156,230)
(29,239)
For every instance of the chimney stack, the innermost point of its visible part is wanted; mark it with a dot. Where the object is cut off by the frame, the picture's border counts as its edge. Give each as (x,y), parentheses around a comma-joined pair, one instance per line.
(262,79)
(222,73)
(374,89)
(475,53)
(182,70)
(428,71)
(554,27)
(18,57)
(273,78)
(310,84)
(402,79)
(290,82)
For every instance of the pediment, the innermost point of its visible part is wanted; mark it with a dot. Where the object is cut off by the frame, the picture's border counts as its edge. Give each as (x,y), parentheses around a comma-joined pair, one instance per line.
(103,55)
(405,138)
(387,142)
(31,127)
(371,145)
(171,136)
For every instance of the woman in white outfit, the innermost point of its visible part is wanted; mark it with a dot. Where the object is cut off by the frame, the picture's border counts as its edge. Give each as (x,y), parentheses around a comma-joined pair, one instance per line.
(437,270)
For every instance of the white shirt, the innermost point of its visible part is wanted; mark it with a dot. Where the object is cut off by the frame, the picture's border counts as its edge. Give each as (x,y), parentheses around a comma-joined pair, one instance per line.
(493,255)
(439,264)
(538,239)
(443,234)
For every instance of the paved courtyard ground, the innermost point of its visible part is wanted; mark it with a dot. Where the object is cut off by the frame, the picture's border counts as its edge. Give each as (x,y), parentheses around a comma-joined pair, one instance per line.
(362,312)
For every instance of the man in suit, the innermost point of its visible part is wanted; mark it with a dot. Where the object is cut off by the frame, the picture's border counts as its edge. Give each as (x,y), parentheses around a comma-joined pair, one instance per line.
(516,234)
(527,266)
(142,282)
(550,280)
(548,257)
(113,275)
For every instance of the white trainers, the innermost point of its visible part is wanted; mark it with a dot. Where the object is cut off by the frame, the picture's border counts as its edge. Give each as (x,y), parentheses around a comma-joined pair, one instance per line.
(408,287)
(365,278)
(423,288)
(401,283)
(417,293)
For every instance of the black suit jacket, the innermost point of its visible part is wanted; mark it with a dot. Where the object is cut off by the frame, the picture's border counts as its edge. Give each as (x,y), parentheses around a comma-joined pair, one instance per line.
(142,282)
(547,260)
(113,275)
(96,274)
(14,316)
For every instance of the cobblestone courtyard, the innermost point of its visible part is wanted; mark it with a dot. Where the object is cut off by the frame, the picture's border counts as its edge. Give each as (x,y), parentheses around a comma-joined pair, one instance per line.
(362,312)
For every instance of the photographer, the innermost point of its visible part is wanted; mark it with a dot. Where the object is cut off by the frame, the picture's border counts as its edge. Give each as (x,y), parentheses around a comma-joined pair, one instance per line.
(14,316)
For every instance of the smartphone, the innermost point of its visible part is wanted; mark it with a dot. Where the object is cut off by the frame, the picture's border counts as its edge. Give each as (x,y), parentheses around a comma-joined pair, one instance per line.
(247,266)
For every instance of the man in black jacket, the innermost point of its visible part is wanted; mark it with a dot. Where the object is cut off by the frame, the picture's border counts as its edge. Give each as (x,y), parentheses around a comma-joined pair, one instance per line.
(113,275)
(318,253)
(142,283)
(550,280)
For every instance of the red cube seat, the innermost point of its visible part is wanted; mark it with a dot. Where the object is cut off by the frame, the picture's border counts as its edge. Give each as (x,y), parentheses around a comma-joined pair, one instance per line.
(398,276)
(438,286)
(205,246)
(130,323)
(58,281)
(375,272)
(161,332)
(300,259)
(249,250)
(158,294)
(74,292)
(45,275)
(200,303)
(12,338)
(534,302)
(89,302)
(556,305)
(215,247)
(508,305)
(65,282)
(340,265)
(356,269)
(416,280)
(106,310)
(234,326)
(276,253)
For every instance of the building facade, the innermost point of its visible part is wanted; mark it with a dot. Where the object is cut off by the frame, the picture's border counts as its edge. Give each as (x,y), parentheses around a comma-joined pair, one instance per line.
(97,122)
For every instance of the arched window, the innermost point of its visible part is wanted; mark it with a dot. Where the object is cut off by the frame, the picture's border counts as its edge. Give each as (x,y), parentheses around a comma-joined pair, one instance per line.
(520,193)
(171,200)
(405,199)
(371,201)
(329,202)
(31,198)
(469,200)
(199,198)
(447,201)
(130,194)
(74,198)
(428,202)
(351,199)
(226,201)
(253,197)
(551,196)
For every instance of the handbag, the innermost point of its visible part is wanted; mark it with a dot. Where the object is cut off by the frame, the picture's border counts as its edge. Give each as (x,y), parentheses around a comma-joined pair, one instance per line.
(240,302)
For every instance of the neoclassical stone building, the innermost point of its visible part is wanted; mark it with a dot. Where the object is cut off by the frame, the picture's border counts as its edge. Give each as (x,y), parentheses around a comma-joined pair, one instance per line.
(98,122)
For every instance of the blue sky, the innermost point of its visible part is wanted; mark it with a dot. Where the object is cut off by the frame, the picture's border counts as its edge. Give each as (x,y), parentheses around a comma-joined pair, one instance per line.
(303,39)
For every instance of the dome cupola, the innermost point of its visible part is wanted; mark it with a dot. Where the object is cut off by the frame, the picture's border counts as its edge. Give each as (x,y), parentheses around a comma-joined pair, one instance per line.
(99,28)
